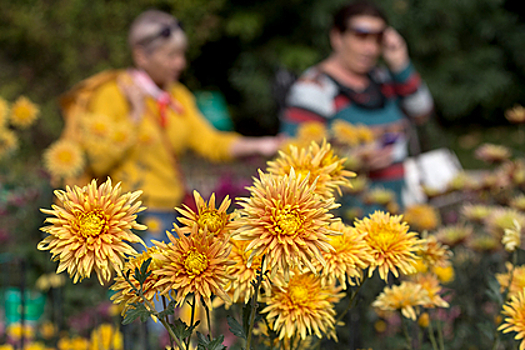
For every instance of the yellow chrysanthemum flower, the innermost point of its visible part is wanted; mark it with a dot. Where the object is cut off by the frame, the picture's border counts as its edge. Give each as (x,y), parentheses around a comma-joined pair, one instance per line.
(48,330)
(8,142)
(154,225)
(37,345)
(96,133)
(484,243)
(284,219)
(312,131)
(263,333)
(106,337)
(379,195)
(433,253)
(345,133)
(350,257)
(512,237)
(216,221)
(4,112)
(15,331)
(393,247)
(64,159)
(195,264)
(492,153)
(515,320)
(358,184)
(23,113)
(365,134)
(125,295)
(430,283)
(454,234)
(476,212)
(444,274)
(91,231)
(240,288)
(50,280)
(518,279)
(516,114)
(122,136)
(74,343)
(421,217)
(463,181)
(407,297)
(518,202)
(502,219)
(302,306)
(324,167)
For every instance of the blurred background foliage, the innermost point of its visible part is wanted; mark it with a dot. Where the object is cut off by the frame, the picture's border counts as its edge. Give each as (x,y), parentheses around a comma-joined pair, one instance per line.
(471,53)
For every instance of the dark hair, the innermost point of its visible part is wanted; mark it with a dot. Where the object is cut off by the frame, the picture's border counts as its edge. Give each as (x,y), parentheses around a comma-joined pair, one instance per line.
(356,8)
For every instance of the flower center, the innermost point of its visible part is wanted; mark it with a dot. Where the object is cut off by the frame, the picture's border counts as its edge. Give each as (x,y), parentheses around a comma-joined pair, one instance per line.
(195,263)
(299,294)
(65,157)
(92,223)
(288,222)
(383,237)
(211,220)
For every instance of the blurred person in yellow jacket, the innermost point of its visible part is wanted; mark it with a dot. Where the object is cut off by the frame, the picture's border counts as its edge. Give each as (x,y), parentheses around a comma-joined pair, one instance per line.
(153,118)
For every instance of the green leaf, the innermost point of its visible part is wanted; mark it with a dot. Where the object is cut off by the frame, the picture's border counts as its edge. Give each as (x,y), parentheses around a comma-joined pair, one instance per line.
(170,310)
(236,329)
(207,344)
(181,329)
(138,311)
(493,291)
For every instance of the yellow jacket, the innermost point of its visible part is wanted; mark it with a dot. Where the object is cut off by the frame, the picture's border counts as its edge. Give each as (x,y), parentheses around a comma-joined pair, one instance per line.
(149,163)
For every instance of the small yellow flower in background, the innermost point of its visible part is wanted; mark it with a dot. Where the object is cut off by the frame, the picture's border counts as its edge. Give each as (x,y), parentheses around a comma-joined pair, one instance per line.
(444,274)
(431,192)
(492,153)
(484,243)
(463,182)
(23,113)
(518,279)
(514,322)
(358,184)
(4,112)
(91,230)
(476,212)
(380,326)
(287,343)
(8,142)
(350,257)
(423,320)
(518,202)
(380,195)
(421,217)
(50,280)
(406,297)
(430,283)
(64,159)
(195,264)
(15,331)
(241,288)
(504,218)
(125,295)
(516,114)
(35,346)
(284,219)
(154,225)
(48,330)
(216,221)
(312,131)
(106,337)
(96,132)
(393,247)
(453,235)
(518,172)
(73,343)
(365,134)
(345,133)
(122,136)
(512,237)
(433,253)
(6,347)
(302,306)
(318,163)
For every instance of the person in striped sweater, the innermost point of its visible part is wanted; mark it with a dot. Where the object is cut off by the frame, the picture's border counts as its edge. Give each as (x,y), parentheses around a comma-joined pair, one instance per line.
(349,85)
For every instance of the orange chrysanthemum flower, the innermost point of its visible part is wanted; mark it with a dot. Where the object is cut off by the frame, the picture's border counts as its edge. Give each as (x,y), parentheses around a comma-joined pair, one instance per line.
(312,131)
(345,133)
(518,279)
(23,113)
(324,167)
(244,273)
(284,219)
(194,264)
(91,231)
(433,253)
(407,297)
(350,257)
(124,293)
(216,221)
(430,283)
(302,306)
(515,322)
(422,217)
(392,245)
(64,159)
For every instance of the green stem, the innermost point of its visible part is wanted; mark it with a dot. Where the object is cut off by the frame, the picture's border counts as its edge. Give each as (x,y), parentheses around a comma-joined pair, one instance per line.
(167,317)
(351,301)
(405,332)
(440,335)
(432,336)
(208,319)
(192,319)
(164,323)
(255,305)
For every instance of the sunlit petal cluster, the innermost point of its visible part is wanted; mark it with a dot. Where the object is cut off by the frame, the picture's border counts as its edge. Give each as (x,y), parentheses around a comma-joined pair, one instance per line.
(406,297)
(64,159)
(518,279)
(515,320)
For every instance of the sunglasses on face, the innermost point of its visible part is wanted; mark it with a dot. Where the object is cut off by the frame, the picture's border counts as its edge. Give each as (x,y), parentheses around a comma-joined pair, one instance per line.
(165,33)
(365,34)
